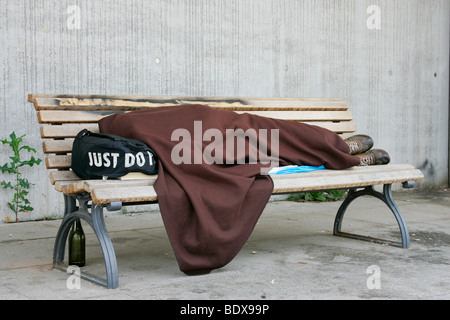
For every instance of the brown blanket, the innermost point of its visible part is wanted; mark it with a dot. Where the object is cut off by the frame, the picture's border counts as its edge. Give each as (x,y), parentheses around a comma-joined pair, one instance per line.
(210,206)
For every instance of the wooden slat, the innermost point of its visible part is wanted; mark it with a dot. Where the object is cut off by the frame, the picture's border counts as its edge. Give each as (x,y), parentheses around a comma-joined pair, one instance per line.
(338,127)
(67,116)
(130,191)
(350,178)
(124,194)
(333,173)
(91,185)
(65,131)
(70,131)
(58,162)
(57,146)
(62,176)
(70,187)
(301,182)
(304,115)
(82,186)
(128,103)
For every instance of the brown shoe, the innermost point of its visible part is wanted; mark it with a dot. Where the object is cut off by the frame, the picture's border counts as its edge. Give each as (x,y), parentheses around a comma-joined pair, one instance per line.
(376,157)
(359,143)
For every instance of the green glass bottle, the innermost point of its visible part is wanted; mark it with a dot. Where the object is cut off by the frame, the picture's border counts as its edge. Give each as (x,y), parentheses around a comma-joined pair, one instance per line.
(77,245)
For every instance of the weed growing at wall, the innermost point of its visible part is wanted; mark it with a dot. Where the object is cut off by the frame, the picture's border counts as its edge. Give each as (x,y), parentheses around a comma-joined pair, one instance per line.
(19,185)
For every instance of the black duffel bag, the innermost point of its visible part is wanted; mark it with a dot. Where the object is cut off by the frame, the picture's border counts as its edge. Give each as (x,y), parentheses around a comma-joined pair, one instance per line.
(100,156)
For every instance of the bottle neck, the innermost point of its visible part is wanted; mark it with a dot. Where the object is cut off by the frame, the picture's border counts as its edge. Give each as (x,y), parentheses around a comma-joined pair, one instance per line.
(77,224)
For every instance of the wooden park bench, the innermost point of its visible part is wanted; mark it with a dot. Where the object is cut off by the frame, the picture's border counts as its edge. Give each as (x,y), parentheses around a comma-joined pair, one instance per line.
(63,116)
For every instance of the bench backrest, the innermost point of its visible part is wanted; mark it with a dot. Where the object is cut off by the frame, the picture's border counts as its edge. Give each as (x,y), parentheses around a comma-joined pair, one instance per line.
(63,116)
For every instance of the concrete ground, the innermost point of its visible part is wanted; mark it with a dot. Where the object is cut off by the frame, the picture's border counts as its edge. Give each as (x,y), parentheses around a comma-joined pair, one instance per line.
(291,254)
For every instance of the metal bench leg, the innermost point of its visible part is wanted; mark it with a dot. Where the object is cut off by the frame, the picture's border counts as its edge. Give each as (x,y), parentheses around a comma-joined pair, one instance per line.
(60,241)
(387,198)
(96,221)
(112,271)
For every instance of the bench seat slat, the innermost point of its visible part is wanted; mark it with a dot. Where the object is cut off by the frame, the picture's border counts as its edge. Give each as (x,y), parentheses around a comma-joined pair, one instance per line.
(142,190)
(70,187)
(304,115)
(124,194)
(61,176)
(338,127)
(359,169)
(58,162)
(58,116)
(81,186)
(128,103)
(68,175)
(57,146)
(65,131)
(91,185)
(350,178)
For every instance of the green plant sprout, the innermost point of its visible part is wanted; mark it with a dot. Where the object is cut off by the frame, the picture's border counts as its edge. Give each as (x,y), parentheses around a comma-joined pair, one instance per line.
(20,186)
(332,195)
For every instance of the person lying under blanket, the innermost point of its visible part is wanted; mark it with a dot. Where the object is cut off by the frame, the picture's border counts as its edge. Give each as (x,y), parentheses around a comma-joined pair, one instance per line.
(209,204)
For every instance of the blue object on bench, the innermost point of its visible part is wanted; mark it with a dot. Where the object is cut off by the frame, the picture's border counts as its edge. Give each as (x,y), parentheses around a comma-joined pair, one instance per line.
(294,169)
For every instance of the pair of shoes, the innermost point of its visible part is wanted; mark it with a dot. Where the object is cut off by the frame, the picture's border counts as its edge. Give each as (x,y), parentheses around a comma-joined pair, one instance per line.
(375,157)
(361,145)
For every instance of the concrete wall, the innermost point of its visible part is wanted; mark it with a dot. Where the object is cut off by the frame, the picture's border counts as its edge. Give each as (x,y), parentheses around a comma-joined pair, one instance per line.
(389,61)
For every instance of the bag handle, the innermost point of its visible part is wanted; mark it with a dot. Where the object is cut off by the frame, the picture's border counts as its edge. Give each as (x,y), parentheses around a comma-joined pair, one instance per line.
(86,132)
(133,142)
